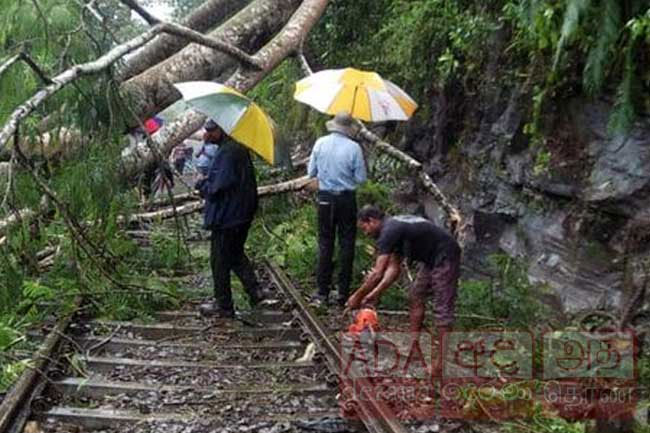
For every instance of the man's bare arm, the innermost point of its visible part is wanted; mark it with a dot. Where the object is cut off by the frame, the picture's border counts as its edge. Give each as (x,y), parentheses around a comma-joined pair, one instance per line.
(390,275)
(370,282)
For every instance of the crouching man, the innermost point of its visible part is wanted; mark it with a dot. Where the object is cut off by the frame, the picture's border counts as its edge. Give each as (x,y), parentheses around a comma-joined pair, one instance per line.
(415,238)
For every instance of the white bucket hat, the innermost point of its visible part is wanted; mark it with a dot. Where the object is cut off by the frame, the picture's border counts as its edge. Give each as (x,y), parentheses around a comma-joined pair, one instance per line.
(343,123)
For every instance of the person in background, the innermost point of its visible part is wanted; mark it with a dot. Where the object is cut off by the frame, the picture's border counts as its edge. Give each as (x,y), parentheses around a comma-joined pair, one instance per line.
(415,238)
(337,162)
(208,149)
(230,193)
(178,157)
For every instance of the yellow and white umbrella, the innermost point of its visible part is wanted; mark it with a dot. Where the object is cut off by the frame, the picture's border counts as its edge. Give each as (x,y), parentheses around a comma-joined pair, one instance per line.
(364,95)
(238,116)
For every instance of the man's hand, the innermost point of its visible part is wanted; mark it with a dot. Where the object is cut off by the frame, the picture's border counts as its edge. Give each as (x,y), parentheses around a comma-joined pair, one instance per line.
(354,302)
(312,186)
(370,299)
(199,183)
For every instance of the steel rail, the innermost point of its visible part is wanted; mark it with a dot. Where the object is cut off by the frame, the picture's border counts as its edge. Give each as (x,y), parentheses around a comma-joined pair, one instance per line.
(18,399)
(375,414)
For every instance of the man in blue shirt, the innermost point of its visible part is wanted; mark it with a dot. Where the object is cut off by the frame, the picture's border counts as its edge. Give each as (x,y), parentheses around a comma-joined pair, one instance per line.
(338,164)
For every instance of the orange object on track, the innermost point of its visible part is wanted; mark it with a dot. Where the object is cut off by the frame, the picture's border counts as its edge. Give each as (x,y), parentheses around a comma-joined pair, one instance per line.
(365,318)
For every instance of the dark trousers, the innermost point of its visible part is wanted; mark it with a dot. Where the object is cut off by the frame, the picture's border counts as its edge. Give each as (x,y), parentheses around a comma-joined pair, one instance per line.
(337,215)
(226,254)
(179,165)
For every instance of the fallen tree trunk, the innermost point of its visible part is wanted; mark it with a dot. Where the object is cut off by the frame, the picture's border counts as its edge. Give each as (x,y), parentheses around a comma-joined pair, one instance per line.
(283,44)
(153,90)
(266,13)
(197,205)
(205,17)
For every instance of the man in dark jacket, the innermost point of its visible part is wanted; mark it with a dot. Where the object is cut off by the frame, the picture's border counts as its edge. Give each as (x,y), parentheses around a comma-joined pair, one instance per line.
(230,193)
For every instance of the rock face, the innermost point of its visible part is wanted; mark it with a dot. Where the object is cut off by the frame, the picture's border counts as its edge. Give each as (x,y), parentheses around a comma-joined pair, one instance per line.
(576,209)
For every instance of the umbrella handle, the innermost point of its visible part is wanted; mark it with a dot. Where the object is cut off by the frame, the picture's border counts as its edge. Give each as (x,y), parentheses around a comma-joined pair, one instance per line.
(354,100)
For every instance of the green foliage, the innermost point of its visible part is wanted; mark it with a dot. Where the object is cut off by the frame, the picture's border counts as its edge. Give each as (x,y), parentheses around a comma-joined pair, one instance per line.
(419,44)
(45,30)
(599,55)
(543,422)
(126,305)
(534,24)
(603,40)
(10,372)
(275,94)
(287,235)
(573,12)
(376,193)
(624,114)
(168,251)
(508,298)
(444,41)
(8,336)
(542,162)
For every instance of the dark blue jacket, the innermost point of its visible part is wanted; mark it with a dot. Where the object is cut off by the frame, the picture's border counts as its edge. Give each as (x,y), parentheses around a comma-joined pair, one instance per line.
(230,190)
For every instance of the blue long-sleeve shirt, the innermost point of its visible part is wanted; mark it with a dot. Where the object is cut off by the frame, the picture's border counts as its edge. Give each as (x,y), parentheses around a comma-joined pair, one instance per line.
(337,162)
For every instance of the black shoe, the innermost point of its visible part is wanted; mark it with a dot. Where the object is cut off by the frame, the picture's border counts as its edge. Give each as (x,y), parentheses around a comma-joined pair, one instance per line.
(211,310)
(255,299)
(341,300)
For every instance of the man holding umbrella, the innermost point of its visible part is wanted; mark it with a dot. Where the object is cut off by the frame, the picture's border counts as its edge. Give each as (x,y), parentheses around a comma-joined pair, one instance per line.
(230,188)
(337,161)
(230,193)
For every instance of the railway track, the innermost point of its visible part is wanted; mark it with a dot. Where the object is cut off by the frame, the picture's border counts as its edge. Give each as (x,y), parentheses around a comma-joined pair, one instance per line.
(185,373)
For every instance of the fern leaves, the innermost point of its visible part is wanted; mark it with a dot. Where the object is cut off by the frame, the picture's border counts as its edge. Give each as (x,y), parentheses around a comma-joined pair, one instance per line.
(609,31)
(575,9)
(623,115)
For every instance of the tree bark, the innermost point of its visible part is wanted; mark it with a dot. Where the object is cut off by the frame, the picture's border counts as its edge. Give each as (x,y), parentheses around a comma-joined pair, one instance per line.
(197,205)
(457,224)
(205,17)
(283,44)
(153,90)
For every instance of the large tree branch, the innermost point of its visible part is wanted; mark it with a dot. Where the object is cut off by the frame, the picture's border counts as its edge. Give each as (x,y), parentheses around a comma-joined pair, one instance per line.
(69,76)
(206,16)
(197,205)
(133,5)
(457,224)
(32,64)
(77,71)
(283,44)
(194,36)
(234,52)
(153,90)
(7,64)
